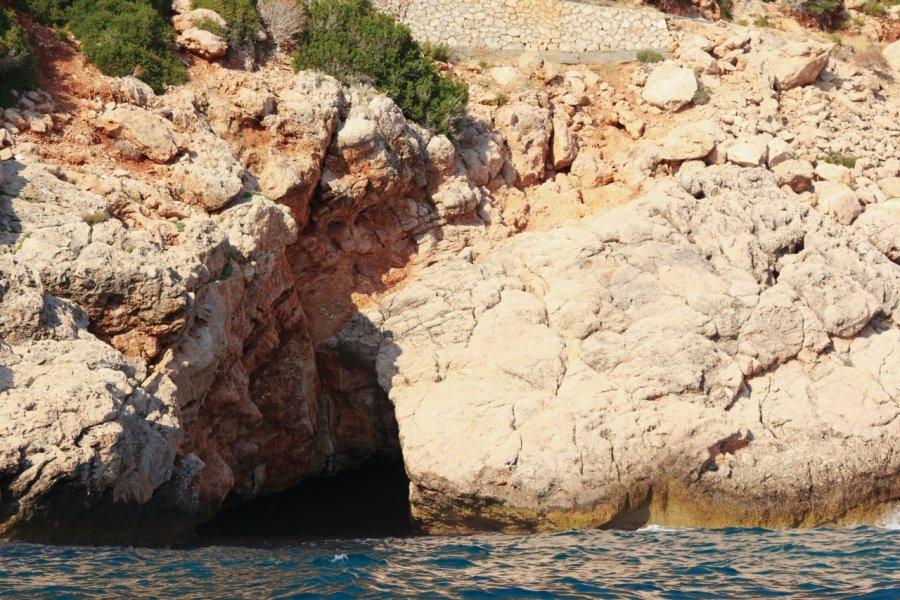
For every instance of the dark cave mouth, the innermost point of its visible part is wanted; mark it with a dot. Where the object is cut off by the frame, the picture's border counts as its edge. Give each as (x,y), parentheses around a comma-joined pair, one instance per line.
(367,502)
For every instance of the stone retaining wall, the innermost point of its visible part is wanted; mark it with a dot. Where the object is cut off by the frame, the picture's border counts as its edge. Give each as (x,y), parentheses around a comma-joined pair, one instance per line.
(548,25)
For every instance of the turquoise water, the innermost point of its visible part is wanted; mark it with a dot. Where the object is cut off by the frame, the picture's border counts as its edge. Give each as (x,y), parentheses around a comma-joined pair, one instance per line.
(654,563)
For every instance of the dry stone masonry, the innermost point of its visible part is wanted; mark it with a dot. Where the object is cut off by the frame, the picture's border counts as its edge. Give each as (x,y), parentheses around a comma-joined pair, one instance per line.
(549,25)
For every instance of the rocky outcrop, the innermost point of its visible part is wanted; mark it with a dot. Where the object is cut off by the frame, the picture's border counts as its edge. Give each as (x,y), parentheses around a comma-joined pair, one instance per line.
(148,133)
(685,361)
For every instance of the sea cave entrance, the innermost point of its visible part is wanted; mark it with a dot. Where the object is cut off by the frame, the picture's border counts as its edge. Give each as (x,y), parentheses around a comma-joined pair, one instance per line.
(371,501)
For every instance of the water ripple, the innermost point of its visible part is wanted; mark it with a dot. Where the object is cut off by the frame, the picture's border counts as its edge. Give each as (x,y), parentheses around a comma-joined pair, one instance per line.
(651,563)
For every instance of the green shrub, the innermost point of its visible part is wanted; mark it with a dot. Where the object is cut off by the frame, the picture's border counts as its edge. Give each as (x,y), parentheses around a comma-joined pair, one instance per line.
(762,22)
(836,39)
(243,22)
(726,9)
(439,52)
(502,100)
(351,41)
(701,96)
(16,59)
(826,12)
(211,26)
(649,56)
(874,8)
(48,12)
(125,37)
(836,158)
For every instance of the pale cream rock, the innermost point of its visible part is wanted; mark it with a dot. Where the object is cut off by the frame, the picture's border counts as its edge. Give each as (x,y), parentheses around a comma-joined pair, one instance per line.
(149,133)
(798,63)
(838,201)
(202,43)
(670,87)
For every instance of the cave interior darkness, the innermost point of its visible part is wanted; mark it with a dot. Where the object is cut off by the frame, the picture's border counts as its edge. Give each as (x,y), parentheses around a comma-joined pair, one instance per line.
(371,501)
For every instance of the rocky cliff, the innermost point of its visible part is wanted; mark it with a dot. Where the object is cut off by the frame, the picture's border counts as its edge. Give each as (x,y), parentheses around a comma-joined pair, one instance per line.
(604,303)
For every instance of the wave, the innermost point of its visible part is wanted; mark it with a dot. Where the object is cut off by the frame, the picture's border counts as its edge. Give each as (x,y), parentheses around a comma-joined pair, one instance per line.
(652,528)
(890,520)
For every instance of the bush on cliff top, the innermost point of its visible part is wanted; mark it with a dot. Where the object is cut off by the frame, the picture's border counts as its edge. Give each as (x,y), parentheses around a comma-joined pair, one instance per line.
(16,59)
(127,37)
(350,40)
(827,13)
(243,22)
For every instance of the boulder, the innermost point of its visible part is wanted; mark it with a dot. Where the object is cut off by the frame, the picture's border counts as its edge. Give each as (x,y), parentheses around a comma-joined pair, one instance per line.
(527,130)
(796,174)
(132,90)
(202,43)
(190,19)
(838,201)
(798,63)
(697,60)
(748,153)
(834,173)
(891,54)
(688,142)
(591,170)
(564,148)
(779,151)
(890,186)
(147,132)
(507,76)
(670,87)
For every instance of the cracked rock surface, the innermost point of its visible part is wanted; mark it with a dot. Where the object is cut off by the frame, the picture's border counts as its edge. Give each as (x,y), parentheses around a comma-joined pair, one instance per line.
(716,359)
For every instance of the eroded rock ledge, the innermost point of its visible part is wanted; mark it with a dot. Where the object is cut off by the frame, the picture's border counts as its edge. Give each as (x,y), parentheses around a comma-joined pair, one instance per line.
(716,359)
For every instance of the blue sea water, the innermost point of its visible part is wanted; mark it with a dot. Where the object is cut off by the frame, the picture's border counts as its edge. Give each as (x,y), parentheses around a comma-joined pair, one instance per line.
(859,562)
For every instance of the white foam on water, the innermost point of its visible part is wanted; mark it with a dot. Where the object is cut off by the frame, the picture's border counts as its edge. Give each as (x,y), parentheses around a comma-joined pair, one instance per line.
(890,520)
(339,558)
(655,529)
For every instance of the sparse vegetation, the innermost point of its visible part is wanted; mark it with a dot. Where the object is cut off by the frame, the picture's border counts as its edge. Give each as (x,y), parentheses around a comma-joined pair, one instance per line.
(836,158)
(16,59)
(350,40)
(827,13)
(726,9)
(701,96)
(874,8)
(870,58)
(285,20)
(502,100)
(762,22)
(836,39)
(95,218)
(243,22)
(649,56)
(211,26)
(180,226)
(439,52)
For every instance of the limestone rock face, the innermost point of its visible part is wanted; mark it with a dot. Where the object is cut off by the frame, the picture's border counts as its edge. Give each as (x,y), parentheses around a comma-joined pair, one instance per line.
(713,361)
(528,131)
(670,87)
(149,133)
(798,64)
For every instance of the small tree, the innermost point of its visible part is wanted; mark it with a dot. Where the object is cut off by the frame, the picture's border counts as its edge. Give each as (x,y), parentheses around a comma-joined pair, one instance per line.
(284,19)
